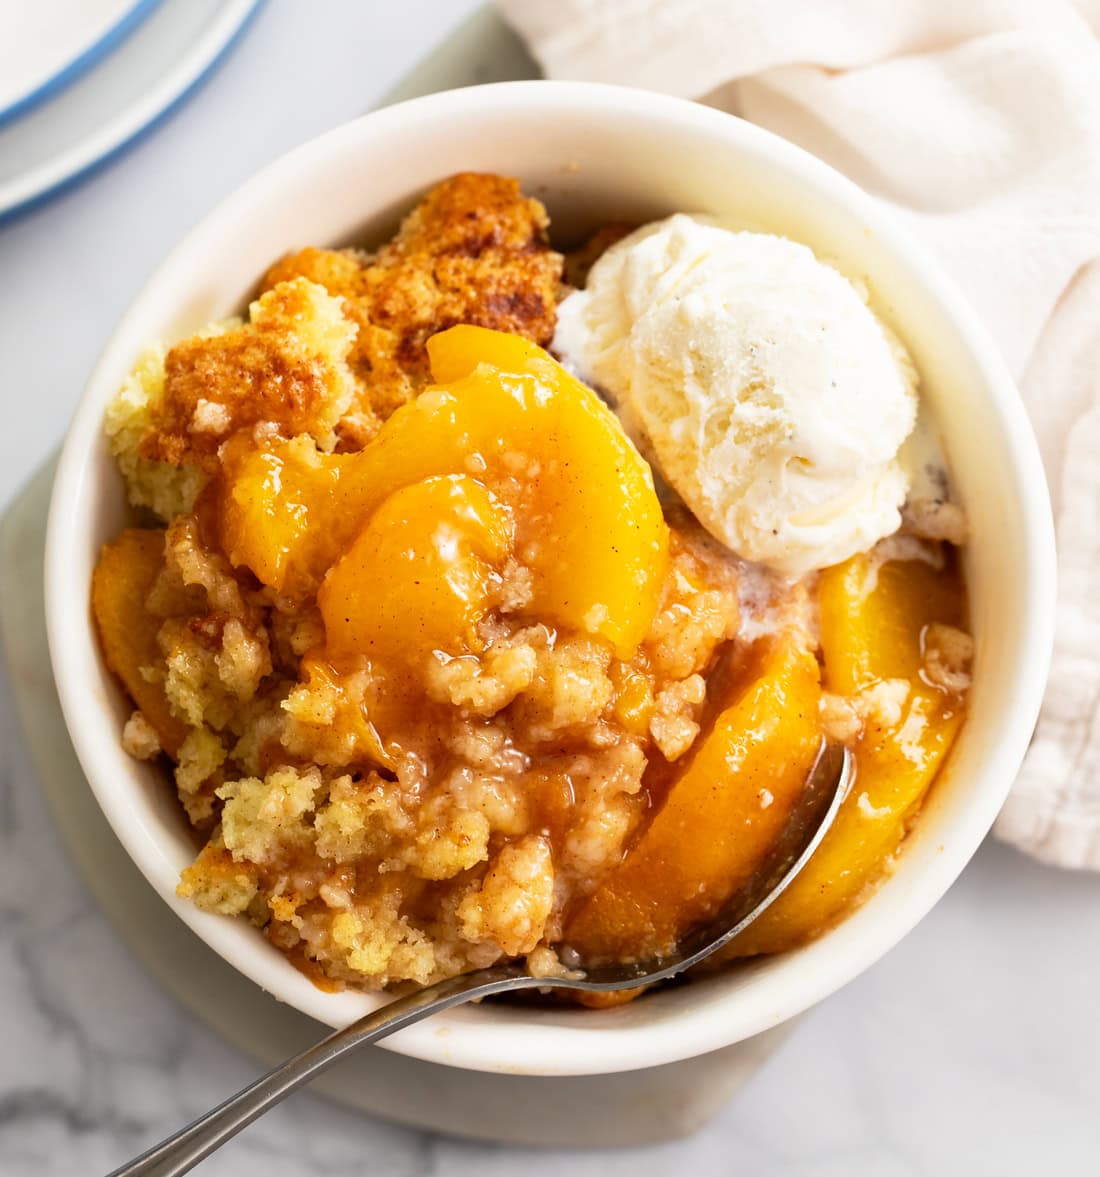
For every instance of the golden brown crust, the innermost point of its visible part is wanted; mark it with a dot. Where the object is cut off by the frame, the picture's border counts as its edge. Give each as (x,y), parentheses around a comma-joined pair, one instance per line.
(474,250)
(286,366)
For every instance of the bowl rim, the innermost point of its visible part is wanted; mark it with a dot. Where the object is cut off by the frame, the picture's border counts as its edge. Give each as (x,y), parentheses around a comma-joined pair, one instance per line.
(498,1043)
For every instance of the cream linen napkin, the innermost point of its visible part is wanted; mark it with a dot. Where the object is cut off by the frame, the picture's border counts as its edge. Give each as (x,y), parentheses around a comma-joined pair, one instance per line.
(978,123)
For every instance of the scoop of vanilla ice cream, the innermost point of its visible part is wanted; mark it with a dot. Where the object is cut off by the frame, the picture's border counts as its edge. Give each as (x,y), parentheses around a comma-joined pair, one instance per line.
(757,379)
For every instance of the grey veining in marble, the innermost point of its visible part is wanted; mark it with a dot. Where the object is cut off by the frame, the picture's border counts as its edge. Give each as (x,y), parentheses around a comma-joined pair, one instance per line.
(973,1048)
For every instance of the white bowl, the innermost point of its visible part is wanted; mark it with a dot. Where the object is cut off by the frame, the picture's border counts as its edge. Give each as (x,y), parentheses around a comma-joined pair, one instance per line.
(592,153)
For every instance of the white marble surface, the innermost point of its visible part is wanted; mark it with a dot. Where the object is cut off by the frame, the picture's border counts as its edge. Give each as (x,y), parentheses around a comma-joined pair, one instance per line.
(973,1048)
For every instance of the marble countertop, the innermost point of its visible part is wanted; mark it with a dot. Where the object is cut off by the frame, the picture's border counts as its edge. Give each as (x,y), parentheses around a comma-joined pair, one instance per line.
(974,1047)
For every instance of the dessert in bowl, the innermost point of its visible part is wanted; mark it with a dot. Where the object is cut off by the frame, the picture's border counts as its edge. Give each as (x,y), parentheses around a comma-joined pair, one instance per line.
(446,672)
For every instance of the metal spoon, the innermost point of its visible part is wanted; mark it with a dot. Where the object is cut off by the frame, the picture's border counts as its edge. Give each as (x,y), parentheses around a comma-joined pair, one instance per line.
(825,788)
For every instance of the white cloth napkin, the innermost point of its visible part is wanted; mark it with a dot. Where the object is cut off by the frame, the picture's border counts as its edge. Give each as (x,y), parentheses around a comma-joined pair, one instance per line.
(978,123)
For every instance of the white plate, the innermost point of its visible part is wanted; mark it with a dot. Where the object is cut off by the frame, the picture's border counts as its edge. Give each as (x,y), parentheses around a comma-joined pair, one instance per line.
(151,70)
(46,44)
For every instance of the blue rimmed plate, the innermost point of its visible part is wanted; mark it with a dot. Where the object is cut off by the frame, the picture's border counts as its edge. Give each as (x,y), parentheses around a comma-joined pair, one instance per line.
(47,44)
(141,78)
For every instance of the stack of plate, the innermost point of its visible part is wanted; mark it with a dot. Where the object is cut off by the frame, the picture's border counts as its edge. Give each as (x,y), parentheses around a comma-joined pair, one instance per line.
(79,79)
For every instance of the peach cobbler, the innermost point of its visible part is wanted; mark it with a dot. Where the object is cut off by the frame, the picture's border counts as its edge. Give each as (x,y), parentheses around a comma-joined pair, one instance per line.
(482,613)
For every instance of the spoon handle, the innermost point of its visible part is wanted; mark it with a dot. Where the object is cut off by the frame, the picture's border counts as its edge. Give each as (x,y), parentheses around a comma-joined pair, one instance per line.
(183,1150)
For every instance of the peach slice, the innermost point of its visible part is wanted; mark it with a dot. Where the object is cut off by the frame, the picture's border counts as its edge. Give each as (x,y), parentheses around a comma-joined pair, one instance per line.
(720,819)
(872,621)
(271,506)
(599,548)
(121,583)
(419,575)
(872,616)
